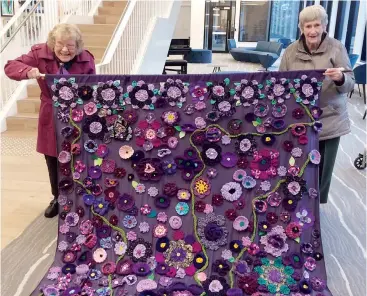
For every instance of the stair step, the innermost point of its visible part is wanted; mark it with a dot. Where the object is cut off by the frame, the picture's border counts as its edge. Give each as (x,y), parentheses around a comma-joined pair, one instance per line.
(22,121)
(98,29)
(110,10)
(96,40)
(106,19)
(29,105)
(33,90)
(97,51)
(114,3)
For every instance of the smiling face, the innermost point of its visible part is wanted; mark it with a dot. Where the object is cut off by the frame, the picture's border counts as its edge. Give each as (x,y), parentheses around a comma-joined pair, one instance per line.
(65,48)
(313,33)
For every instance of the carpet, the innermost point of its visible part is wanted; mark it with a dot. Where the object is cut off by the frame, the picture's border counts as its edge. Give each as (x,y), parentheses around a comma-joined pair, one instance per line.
(27,258)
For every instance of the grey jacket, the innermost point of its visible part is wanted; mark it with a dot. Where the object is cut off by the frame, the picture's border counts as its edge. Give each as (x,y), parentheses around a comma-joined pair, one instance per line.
(333,99)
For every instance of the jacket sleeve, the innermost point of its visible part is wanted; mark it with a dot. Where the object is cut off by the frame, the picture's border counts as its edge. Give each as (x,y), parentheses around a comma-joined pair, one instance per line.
(342,60)
(284,61)
(92,65)
(17,69)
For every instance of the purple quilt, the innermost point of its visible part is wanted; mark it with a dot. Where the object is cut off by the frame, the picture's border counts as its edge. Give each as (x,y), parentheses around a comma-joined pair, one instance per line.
(188,185)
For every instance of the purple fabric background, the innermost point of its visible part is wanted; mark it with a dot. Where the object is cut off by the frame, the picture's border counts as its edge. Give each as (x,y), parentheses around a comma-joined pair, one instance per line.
(224,175)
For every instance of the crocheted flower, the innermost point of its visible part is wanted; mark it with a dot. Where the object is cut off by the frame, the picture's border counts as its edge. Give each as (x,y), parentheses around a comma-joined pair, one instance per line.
(221,267)
(108,94)
(129,221)
(139,250)
(293,230)
(198,92)
(65,93)
(307,89)
(305,218)
(174,92)
(211,154)
(140,95)
(231,191)
(248,182)
(95,127)
(170,117)
(201,187)
(216,286)
(276,277)
(120,248)
(147,133)
(226,107)
(294,187)
(149,169)
(100,206)
(248,92)
(265,163)
(278,90)
(179,254)
(212,231)
(245,145)
(144,227)
(121,129)
(248,283)
(275,241)
(169,166)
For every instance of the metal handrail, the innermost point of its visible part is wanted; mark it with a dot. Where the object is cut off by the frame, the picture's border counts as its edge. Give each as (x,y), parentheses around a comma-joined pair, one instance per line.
(20,25)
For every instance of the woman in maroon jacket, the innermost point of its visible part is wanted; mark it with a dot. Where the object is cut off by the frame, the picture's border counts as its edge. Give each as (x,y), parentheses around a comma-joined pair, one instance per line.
(62,54)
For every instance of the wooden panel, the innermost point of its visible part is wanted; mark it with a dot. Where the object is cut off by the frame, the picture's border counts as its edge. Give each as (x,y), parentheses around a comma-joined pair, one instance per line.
(97,29)
(106,19)
(29,105)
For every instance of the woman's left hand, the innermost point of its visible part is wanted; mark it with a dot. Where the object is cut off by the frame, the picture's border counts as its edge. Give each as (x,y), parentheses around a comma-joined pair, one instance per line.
(334,74)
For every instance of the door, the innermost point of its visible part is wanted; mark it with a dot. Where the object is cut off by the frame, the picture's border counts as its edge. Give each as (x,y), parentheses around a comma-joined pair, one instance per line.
(219,28)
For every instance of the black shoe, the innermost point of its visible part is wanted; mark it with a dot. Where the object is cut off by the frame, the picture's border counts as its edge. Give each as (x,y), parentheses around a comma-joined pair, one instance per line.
(53,209)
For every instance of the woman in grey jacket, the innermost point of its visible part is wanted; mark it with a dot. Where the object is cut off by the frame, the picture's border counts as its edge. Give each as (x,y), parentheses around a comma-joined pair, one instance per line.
(316,50)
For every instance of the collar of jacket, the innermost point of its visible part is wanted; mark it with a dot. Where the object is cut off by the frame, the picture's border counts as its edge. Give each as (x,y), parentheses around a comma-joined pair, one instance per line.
(46,53)
(302,53)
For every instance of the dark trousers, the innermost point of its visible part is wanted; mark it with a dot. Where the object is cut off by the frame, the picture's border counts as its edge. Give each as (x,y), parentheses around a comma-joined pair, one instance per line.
(328,150)
(51,162)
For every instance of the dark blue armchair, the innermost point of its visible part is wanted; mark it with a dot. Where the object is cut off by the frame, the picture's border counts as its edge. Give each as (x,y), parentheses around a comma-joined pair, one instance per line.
(360,76)
(353,59)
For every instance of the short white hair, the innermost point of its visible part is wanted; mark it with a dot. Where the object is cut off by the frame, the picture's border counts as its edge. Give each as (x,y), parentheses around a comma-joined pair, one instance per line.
(312,13)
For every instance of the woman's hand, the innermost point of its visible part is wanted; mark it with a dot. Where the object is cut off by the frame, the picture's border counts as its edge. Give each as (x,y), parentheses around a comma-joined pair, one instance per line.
(334,74)
(34,73)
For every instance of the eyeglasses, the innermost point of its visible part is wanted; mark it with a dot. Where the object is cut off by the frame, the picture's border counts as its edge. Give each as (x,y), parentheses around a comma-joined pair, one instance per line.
(60,45)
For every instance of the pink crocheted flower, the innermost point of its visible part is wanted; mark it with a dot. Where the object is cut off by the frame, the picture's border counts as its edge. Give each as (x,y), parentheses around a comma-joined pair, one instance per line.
(265,163)
(275,241)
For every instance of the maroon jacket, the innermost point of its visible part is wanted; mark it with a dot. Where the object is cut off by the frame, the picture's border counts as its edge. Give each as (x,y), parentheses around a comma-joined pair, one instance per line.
(43,58)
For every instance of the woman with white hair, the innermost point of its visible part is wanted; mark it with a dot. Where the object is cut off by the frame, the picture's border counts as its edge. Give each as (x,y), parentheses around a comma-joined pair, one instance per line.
(63,53)
(316,50)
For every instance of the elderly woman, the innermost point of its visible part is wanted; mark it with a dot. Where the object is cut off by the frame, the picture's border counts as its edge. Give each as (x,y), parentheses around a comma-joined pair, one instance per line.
(62,54)
(316,50)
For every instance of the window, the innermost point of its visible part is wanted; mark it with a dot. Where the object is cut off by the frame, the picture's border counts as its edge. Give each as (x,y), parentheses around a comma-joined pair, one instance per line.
(284,20)
(363,54)
(254,21)
(352,25)
(328,5)
(342,5)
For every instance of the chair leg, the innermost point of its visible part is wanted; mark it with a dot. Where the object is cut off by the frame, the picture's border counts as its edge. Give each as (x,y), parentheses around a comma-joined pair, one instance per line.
(359,90)
(365,113)
(351,93)
(364,93)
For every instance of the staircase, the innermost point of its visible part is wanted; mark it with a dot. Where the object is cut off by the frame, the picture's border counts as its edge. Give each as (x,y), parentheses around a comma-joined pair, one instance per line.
(96,38)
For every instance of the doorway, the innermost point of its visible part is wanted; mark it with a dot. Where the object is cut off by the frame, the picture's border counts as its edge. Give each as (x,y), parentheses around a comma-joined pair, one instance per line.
(219,25)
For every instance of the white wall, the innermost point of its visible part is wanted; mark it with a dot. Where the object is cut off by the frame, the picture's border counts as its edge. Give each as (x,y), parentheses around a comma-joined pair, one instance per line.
(158,43)
(197,24)
(183,24)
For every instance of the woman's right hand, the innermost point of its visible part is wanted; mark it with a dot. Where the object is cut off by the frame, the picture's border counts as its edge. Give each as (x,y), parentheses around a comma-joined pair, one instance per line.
(34,73)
